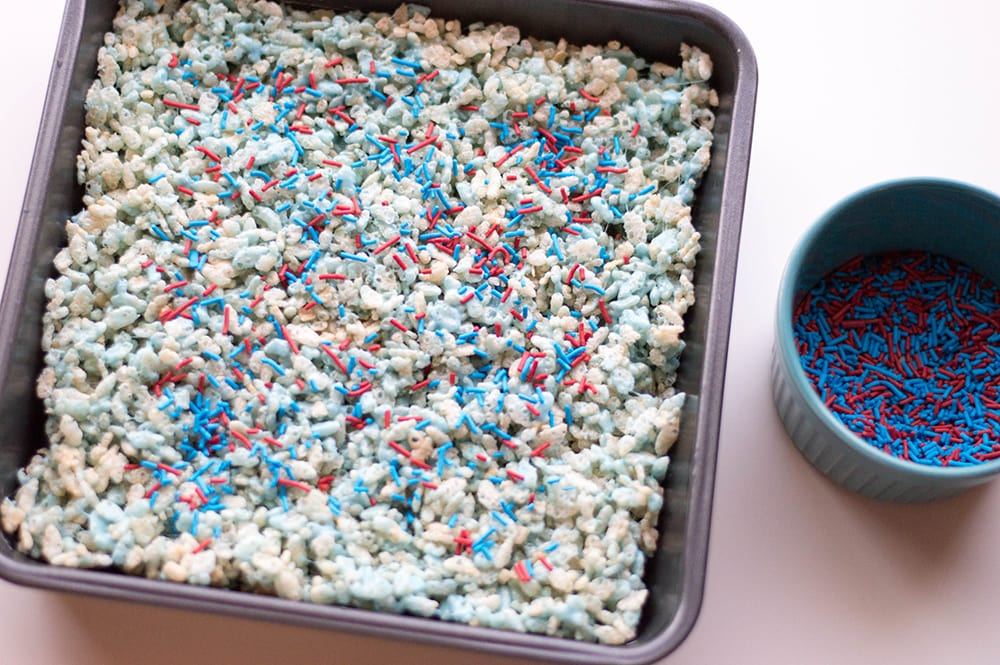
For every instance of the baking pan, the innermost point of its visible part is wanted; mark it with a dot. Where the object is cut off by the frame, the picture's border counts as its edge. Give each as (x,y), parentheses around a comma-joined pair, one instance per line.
(675,575)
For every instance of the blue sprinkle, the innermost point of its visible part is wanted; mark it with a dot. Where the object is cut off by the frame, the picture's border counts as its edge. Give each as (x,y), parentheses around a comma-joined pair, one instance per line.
(405,63)
(275,366)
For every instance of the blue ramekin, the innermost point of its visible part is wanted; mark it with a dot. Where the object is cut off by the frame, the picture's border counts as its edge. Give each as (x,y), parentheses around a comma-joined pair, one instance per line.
(945,217)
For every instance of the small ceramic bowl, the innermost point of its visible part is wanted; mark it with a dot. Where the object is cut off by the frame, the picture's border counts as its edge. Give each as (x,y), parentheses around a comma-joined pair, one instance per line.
(943,217)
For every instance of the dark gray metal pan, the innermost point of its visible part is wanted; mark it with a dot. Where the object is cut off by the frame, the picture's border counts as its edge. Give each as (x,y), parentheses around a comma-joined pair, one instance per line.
(676,574)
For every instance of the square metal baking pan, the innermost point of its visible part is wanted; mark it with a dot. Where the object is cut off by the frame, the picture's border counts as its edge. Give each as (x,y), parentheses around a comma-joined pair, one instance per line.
(675,575)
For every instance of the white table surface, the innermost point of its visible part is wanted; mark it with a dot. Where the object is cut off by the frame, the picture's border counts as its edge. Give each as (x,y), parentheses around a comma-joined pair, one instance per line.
(851,93)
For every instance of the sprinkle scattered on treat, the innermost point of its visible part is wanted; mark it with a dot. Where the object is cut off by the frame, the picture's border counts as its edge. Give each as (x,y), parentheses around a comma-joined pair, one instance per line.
(370,310)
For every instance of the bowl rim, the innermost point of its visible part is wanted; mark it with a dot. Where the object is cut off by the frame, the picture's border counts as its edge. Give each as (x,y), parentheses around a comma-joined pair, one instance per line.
(790,356)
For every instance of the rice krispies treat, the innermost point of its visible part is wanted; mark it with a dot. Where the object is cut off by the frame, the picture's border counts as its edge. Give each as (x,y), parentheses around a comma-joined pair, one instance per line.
(371,310)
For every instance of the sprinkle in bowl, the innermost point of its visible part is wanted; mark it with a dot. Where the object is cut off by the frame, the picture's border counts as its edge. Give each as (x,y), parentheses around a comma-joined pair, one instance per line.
(884,364)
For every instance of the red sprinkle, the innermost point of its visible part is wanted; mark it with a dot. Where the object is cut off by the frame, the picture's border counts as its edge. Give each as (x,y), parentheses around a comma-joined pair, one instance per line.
(463,542)
(513,151)
(399,449)
(208,153)
(538,181)
(333,356)
(245,441)
(387,244)
(176,285)
(288,482)
(180,105)
(422,144)
(202,545)
(537,452)
(604,310)
(169,469)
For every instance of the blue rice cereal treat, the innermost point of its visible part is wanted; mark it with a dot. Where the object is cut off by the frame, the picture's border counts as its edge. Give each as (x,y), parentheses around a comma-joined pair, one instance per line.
(374,310)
